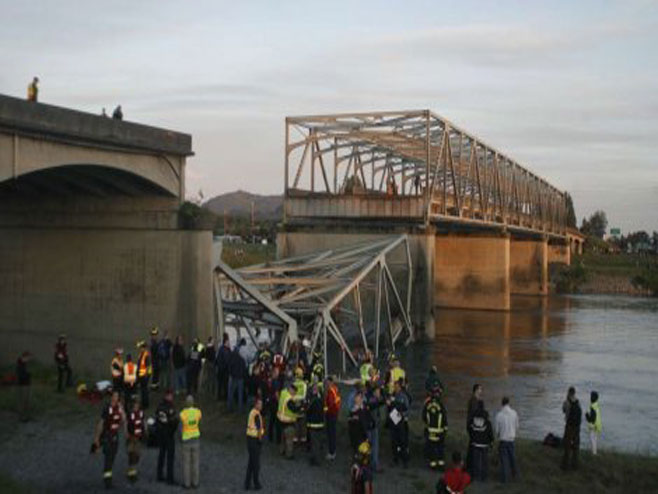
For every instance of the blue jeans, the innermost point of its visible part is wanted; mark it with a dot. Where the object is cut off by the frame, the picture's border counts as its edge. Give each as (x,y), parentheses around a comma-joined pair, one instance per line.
(180,383)
(507,461)
(233,385)
(373,437)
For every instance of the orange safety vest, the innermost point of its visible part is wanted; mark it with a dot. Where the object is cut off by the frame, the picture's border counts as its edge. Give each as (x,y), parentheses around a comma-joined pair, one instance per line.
(117,367)
(144,370)
(129,373)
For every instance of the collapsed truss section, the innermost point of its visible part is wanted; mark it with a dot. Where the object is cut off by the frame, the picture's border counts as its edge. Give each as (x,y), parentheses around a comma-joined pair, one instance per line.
(356,297)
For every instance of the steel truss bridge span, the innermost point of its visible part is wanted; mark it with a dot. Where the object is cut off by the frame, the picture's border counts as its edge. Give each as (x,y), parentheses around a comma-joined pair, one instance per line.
(414,165)
(352,297)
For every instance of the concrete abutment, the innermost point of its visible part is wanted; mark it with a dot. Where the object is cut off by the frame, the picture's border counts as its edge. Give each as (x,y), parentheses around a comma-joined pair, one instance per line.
(528,270)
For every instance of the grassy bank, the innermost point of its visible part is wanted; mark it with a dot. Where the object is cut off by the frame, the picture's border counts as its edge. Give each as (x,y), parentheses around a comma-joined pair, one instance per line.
(239,255)
(605,274)
(64,416)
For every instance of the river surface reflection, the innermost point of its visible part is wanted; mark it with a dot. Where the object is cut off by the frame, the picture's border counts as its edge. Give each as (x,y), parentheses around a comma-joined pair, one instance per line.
(540,348)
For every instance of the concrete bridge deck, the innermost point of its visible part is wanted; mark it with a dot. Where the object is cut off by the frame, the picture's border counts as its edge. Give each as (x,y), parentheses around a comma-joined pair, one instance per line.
(90,243)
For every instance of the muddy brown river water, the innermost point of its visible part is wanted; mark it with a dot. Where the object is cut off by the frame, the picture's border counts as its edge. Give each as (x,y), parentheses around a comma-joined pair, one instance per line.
(539,349)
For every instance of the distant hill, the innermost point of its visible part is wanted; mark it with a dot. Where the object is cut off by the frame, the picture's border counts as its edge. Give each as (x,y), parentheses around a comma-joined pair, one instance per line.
(238,203)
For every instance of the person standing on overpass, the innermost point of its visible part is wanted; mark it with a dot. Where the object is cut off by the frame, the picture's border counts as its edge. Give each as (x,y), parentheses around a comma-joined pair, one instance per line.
(33,90)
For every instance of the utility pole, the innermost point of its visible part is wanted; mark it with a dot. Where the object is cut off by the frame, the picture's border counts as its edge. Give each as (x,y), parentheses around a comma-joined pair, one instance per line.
(253,228)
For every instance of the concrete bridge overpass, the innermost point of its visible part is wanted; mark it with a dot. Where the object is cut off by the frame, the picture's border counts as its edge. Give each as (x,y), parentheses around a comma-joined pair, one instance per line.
(482,227)
(90,243)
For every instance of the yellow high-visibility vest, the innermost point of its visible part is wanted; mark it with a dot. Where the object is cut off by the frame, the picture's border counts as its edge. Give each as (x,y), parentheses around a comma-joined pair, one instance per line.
(597,426)
(253,429)
(190,418)
(397,373)
(365,372)
(284,414)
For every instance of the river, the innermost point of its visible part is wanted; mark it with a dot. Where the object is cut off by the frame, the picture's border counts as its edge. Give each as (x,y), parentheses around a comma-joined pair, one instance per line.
(540,348)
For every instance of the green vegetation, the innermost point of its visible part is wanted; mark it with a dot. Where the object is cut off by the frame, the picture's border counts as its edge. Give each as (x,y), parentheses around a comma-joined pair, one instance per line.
(193,217)
(647,278)
(570,278)
(240,255)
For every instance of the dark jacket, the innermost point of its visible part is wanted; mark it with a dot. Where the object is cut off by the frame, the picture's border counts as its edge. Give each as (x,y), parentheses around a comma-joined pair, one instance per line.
(223,358)
(167,420)
(315,411)
(374,404)
(237,366)
(480,431)
(23,375)
(574,414)
(178,356)
(359,422)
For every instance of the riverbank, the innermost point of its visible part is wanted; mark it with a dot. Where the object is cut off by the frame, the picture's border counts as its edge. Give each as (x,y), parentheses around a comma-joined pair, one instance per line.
(51,454)
(609,274)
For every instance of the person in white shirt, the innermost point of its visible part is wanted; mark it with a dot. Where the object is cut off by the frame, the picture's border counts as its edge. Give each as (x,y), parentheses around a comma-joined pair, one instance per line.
(506,427)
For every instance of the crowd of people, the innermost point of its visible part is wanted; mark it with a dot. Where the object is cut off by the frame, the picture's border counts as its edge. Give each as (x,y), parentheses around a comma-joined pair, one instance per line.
(295,405)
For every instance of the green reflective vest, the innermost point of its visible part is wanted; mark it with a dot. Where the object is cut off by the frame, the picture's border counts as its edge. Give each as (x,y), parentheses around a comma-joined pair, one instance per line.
(597,426)
(365,372)
(397,373)
(284,413)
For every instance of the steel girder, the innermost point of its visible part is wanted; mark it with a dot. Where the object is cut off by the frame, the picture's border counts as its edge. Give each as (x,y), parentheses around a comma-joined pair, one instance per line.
(333,296)
(423,155)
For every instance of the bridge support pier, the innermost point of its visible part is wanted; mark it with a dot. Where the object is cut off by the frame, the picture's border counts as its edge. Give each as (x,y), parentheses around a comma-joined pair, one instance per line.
(472,271)
(103,288)
(529,266)
(559,253)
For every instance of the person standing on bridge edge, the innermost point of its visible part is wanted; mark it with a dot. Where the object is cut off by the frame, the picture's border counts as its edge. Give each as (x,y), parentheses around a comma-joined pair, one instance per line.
(33,90)
(117,114)
(62,361)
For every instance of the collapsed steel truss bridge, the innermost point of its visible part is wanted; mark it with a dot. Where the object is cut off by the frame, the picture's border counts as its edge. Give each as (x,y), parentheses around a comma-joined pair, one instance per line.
(355,296)
(426,169)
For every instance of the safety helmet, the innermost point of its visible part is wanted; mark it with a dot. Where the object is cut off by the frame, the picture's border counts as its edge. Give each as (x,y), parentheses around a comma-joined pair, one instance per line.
(392,358)
(82,388)
(118,351)
(154,331)
(299,372)
(140,343)
(364,448)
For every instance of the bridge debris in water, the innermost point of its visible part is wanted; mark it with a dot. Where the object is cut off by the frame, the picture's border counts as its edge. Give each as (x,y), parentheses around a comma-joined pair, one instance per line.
(354,296)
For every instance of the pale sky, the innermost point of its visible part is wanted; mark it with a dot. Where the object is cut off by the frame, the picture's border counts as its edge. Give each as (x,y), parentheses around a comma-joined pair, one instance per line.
(570,91)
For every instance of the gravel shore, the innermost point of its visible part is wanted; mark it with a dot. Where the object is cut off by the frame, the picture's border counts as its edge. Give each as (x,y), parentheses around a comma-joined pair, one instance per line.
(51,454)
